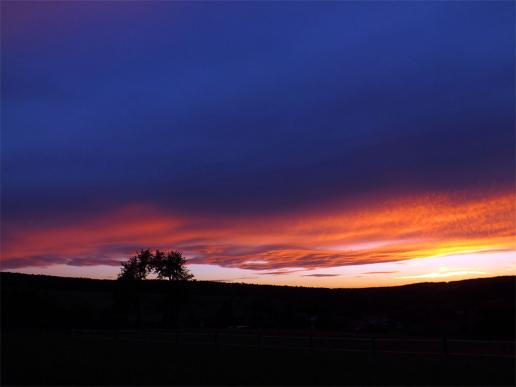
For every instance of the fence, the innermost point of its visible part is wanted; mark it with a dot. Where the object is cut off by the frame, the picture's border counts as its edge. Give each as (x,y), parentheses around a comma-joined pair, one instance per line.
(444,346)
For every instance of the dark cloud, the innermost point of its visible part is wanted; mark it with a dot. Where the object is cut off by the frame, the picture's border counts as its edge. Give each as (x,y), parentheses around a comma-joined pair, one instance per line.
(233,279)
(215,113)
(48,260)
(32,261)
(321,275)
(279,272)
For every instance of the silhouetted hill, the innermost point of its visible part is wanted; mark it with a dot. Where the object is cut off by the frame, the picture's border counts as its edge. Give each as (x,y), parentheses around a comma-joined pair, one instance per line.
(478,308)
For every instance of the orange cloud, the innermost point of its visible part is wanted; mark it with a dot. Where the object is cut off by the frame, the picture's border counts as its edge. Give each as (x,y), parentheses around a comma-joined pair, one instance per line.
(370,232)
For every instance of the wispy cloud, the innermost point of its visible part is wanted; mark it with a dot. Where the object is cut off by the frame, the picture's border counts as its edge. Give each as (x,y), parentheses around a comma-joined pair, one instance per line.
(428,226)
(279,272)
(444,274)
(321,275)
(234,279)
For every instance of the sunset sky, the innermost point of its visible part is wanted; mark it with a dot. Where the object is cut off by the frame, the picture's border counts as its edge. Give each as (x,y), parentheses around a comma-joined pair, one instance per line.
(339,144)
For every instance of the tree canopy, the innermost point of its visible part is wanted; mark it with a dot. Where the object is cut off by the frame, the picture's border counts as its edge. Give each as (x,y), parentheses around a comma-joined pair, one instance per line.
(165,264)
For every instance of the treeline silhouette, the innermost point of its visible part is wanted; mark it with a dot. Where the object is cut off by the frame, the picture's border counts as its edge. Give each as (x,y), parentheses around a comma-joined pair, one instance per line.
(480,308)
(170,265)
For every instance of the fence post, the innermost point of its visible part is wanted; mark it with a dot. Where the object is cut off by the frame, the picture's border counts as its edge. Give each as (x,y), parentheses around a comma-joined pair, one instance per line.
(258,341)
(373,344)
(445,345)
(372,363)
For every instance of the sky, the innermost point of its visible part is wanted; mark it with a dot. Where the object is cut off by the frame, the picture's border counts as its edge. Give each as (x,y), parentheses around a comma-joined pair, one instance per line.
(336,144)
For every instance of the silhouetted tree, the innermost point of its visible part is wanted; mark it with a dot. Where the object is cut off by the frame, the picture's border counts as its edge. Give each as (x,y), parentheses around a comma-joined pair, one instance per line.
(171,265)
(137,267)
(157,261)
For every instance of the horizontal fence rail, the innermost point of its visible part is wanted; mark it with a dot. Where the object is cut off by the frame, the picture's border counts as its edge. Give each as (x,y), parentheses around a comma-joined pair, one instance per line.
(442,346)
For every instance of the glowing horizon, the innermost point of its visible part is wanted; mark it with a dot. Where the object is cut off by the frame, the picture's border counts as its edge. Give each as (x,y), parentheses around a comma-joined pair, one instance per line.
(310,243)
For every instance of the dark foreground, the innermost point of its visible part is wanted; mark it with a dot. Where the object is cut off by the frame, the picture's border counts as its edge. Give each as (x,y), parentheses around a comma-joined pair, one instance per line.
(59,331)
(94,359)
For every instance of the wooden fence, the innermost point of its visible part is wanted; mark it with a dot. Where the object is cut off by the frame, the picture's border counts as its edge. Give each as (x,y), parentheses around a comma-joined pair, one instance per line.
(441,346)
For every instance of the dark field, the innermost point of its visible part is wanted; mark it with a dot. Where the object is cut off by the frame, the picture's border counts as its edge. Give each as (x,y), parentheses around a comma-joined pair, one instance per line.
(68,359)
(59,331)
